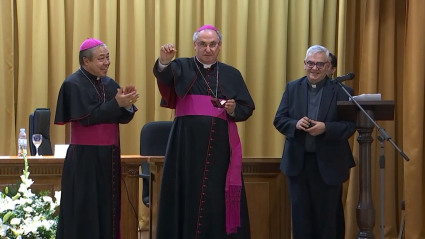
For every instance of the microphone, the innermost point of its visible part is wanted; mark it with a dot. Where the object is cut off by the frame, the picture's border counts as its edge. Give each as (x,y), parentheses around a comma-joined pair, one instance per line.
(339,79)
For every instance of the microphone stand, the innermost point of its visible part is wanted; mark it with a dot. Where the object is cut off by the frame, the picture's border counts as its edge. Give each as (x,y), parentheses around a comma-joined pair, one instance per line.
(384,136)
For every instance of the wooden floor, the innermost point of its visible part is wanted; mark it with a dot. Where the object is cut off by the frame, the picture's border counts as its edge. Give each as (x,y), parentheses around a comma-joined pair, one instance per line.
(144,235)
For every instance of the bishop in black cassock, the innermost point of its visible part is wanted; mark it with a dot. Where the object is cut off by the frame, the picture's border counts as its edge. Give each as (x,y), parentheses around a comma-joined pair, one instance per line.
(94,105)
(202,193)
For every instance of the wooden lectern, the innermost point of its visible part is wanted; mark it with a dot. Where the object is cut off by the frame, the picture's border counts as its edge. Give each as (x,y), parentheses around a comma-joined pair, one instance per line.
(378,110)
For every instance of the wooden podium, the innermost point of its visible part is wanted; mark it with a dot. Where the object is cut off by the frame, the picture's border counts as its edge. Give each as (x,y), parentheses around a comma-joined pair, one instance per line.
(378,110)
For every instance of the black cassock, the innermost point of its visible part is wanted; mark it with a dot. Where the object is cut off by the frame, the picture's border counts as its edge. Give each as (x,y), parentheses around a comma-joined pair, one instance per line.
(192,195)
(91,185)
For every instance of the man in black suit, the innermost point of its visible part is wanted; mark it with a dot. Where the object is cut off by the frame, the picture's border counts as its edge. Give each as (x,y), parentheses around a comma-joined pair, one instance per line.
(317,156)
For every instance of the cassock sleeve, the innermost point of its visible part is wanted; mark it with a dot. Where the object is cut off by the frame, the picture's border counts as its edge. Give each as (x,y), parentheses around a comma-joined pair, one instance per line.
(75,104)
(109,112)
(127,116)
(236,89)
(165,81)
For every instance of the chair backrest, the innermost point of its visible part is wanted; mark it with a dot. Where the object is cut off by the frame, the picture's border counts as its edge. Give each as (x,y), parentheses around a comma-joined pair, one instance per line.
(39,123)
(154,138)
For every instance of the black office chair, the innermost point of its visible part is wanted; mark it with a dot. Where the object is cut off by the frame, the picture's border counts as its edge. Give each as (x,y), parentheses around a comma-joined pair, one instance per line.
(153,142)
(39,123)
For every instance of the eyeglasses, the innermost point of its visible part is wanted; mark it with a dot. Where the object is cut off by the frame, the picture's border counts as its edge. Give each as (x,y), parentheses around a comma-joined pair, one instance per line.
(318,64)
(204,44)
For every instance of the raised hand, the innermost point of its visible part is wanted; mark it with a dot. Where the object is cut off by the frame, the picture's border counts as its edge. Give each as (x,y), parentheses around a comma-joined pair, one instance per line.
(167,53)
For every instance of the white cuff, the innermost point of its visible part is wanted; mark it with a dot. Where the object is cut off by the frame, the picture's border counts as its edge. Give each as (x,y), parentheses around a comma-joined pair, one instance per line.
(161,66)
(129,109)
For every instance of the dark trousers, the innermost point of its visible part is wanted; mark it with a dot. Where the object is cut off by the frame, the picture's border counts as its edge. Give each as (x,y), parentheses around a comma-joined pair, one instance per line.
(340,220)
(314,203)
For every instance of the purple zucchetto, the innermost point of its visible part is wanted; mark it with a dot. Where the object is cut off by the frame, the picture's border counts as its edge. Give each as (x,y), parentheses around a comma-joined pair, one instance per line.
(205,27)
(90,43)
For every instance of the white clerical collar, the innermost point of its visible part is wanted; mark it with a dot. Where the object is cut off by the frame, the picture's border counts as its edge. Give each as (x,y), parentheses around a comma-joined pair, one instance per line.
(206,66)
(317,85)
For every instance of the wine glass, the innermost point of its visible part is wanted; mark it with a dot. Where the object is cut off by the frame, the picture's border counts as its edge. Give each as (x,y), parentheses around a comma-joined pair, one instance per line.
(37,139)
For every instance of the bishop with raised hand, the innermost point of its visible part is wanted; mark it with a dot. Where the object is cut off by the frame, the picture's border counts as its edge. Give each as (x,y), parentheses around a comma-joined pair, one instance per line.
(202,193)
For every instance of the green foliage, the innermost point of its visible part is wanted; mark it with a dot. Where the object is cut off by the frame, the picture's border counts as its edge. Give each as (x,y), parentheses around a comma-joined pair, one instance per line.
(12,189)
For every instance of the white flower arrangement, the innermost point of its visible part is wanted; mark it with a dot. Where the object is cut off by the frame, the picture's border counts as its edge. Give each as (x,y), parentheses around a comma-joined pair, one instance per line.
(25,215)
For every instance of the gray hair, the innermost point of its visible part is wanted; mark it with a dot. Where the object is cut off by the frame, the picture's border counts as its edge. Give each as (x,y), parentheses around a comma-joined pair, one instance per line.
(316,49)
(195,35)
(88,53)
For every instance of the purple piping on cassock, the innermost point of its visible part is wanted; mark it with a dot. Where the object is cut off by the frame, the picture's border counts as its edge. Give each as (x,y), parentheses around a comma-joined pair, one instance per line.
(201,105)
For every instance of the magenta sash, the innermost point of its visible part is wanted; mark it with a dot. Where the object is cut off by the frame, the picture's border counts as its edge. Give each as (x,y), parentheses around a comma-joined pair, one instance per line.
(201,105)
(99,134)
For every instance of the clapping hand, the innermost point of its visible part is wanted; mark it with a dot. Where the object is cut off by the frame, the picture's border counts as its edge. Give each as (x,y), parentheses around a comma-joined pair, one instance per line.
(129,88)
(126,100)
